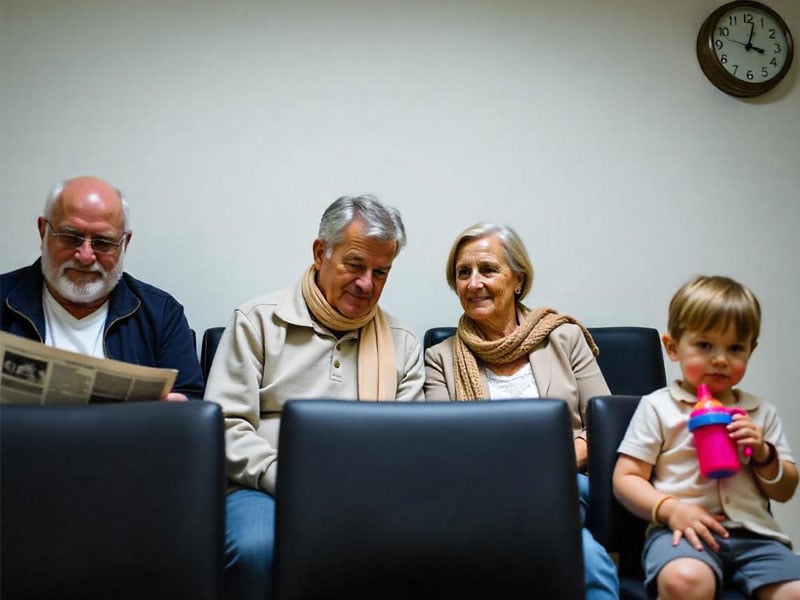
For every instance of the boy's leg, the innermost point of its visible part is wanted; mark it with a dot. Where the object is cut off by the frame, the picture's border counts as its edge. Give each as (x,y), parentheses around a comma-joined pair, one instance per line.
(679,572)
(788,590)
(766,568)
(686,579)
(249,545)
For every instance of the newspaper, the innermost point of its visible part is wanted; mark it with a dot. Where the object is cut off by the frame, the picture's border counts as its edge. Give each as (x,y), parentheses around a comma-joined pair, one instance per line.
(37,374)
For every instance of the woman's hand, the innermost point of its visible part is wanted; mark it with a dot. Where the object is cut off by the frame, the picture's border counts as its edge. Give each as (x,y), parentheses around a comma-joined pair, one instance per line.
(692,522)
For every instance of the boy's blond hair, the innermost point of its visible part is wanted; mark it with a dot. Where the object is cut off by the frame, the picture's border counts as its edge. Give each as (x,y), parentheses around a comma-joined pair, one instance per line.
(709,303)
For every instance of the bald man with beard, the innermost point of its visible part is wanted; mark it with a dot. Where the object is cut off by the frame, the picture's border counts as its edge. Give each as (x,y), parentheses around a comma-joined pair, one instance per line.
(77,297)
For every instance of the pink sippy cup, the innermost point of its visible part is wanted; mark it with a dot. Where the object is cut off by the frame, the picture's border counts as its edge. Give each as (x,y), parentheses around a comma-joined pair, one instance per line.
(716,451)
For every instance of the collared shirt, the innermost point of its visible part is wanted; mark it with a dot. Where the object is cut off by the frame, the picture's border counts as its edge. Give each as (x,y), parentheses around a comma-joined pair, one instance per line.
(658,434)
(273,351)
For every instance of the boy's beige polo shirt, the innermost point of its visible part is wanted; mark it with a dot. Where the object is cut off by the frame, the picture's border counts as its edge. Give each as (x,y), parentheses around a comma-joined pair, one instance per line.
(658,434)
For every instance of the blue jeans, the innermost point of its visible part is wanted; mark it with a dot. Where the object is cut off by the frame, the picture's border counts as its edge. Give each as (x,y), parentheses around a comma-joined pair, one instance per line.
(250,541)
(599,570)
(249,545)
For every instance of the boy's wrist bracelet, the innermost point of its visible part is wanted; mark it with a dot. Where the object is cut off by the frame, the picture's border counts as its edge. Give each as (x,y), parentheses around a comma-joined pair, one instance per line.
(775,479)
(771,455)
(657,505)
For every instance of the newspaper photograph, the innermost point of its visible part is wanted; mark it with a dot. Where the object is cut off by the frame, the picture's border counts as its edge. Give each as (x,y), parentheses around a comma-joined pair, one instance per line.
(33,373)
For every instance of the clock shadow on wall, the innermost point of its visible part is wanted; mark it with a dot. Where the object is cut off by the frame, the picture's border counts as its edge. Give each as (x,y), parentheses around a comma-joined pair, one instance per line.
(746,49)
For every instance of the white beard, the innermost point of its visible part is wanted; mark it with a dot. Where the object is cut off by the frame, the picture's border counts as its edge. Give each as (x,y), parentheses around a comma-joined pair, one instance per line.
(81,293)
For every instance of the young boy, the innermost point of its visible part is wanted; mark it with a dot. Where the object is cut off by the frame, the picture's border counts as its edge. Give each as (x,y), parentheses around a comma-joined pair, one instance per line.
(708,531)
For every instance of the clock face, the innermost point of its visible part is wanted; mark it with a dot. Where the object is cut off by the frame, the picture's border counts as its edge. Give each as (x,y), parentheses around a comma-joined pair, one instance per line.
(750,44)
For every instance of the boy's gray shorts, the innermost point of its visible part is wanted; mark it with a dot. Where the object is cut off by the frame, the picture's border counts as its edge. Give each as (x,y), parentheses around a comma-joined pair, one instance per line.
(746,560)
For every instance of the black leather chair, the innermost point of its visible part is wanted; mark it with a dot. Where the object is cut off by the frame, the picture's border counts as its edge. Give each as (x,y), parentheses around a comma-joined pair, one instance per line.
(211,338)
(630,357)
(611,524)
(112,501)
(437,500)
(434,335)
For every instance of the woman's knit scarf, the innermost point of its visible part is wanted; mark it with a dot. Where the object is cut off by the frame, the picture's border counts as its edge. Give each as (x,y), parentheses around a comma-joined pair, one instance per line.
(470,345)
(377,370)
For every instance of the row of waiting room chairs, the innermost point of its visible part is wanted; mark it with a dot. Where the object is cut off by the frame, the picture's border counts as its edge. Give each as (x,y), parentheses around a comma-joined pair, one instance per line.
(630,357)
(126,501)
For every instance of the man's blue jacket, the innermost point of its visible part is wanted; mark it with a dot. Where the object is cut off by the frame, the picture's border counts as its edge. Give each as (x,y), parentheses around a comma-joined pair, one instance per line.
(145,325)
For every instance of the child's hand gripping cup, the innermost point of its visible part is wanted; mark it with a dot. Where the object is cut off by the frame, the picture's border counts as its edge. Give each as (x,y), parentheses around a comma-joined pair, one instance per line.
(716,451)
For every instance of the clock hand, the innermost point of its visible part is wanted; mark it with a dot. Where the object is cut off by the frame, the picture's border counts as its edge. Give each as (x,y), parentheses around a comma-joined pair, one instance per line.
(747,46)
(750,37)
(737,42)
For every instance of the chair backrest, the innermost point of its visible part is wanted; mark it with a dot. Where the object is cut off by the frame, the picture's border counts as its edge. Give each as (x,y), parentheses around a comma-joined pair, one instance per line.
(211,338)
(612,524)
(435,335)
(438,500)
(630,357)
(112,501)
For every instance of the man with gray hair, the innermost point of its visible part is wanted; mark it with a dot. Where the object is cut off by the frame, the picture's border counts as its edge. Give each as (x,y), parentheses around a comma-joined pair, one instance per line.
(326,337)
(77,297)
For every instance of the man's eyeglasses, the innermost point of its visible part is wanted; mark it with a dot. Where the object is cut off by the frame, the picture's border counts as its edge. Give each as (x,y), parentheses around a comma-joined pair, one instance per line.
(73,241)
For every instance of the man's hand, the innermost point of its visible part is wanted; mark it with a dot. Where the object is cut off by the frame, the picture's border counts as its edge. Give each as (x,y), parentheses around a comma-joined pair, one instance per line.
(175,397)
(581,452)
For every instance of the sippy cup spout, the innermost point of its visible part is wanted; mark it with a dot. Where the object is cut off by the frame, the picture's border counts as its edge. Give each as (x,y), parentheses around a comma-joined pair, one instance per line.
(705,401)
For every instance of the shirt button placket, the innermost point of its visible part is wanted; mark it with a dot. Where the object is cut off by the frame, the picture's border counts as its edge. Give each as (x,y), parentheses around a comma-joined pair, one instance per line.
(336,363)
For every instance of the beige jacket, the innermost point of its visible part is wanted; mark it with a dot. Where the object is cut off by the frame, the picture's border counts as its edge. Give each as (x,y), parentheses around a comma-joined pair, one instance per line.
(273,351)
(563,367)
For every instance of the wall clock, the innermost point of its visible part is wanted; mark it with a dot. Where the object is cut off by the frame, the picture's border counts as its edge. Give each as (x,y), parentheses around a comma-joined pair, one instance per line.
(744,48)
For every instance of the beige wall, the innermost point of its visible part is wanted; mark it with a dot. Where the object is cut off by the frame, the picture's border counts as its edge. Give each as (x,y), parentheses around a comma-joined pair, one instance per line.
(586,125)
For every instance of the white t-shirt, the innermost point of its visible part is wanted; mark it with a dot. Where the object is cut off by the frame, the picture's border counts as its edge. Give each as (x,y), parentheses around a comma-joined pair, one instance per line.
(518,385)
(64,331)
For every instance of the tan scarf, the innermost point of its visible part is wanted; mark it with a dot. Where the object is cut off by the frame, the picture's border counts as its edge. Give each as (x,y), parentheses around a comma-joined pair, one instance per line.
(469,343)
(377,370)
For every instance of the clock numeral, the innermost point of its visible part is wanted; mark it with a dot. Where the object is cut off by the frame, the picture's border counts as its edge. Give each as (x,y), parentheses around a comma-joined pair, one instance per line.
(773,62)
(747,18)
(749,74)
(733,20)
(764,72)
(735,68)
(723,59)
(723,31)
(777,48)
(772,34)
(718,44)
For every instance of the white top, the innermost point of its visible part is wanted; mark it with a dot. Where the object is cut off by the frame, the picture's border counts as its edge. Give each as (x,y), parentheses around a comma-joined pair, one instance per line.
(518,385)
(64,331)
